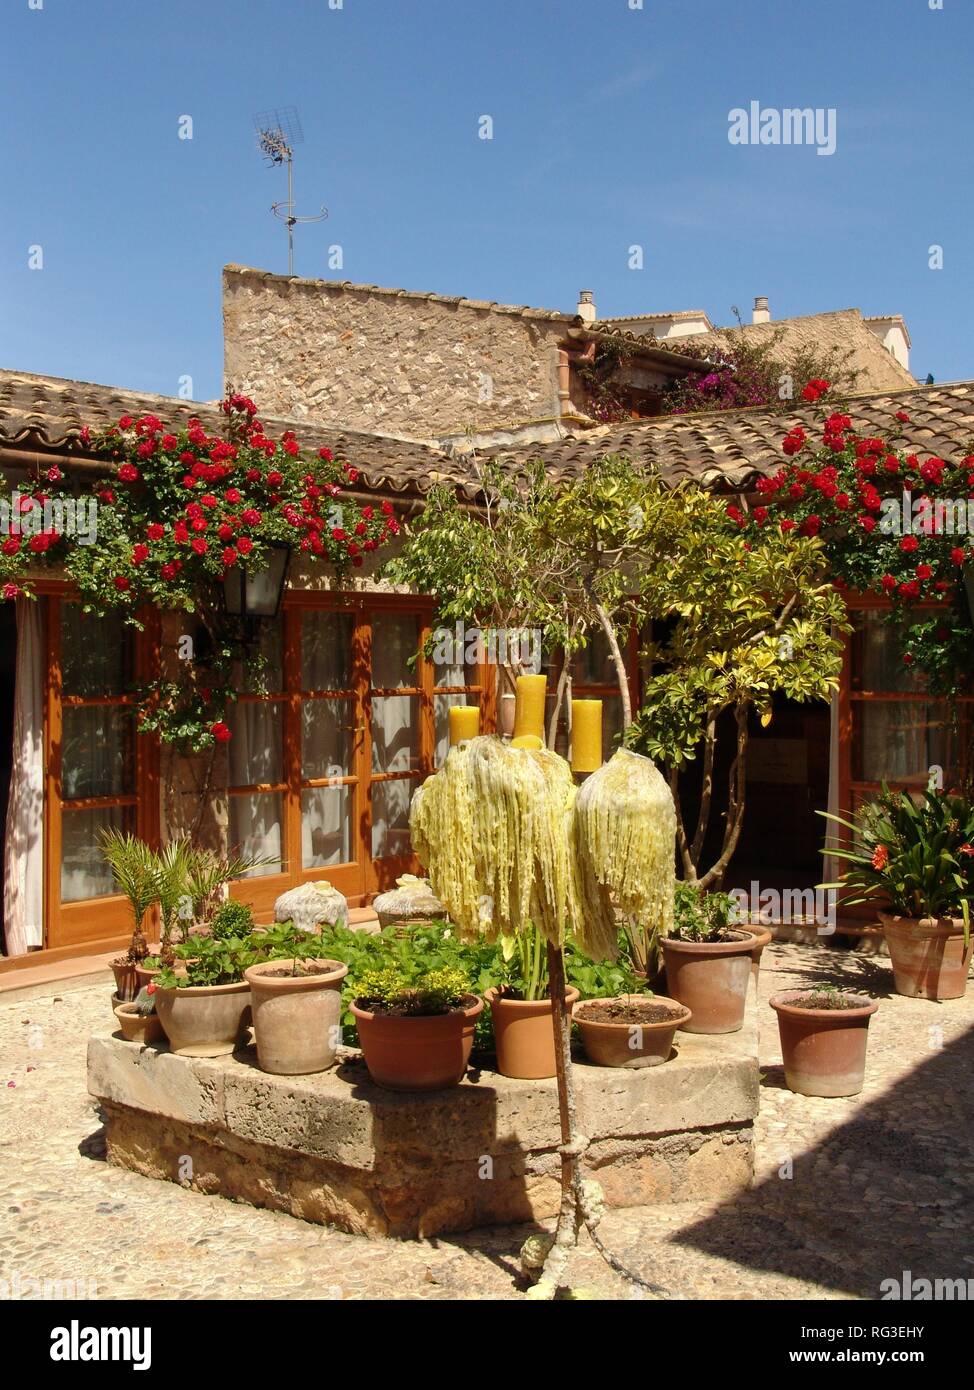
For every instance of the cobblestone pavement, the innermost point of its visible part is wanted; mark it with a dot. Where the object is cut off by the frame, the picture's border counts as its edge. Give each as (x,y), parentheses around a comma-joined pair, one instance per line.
(846,1192)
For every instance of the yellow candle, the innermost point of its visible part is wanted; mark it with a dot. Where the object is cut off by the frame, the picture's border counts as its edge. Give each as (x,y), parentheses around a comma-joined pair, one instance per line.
(531,741)
(464,722)
(586,735)
(529,705)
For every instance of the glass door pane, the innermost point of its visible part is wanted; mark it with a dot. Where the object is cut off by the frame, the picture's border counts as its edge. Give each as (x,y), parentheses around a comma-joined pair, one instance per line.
(332,729)
(396,728)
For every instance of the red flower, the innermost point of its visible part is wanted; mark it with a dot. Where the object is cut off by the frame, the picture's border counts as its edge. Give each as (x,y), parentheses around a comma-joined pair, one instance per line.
(387,508)
(880,857)
(902,416)
(326,454)
(121,583)
(10,590)
(923,571)
(139,554)
(245,545)
(275,479)
(125,422)
(200,545)
(229,557)
(11,545)
(155,531)
(957,555)
(888,582)
(910,590)
(909,543)
(868,523)
(128,473)
(966,849)
(220,731)
(250,517)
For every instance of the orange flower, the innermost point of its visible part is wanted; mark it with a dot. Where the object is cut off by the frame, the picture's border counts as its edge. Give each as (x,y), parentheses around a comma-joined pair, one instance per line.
(880,857)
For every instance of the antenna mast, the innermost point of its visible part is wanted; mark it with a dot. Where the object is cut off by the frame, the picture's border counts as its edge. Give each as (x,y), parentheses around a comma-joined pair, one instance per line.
(278,132)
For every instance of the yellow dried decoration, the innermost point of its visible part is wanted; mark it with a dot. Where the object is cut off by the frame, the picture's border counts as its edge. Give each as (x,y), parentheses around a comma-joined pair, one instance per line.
(490,827)
(508,842)
(624,833)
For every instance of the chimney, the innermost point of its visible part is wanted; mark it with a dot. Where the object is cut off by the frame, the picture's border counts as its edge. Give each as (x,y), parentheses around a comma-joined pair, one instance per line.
(761,313)
(586,306)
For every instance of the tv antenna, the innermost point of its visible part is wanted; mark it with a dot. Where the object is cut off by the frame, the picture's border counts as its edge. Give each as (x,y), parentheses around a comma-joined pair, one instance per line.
(278,131)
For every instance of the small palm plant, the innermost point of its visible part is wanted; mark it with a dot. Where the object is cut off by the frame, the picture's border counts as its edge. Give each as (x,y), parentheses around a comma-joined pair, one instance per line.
(208,873)
(173,865)
(136,871)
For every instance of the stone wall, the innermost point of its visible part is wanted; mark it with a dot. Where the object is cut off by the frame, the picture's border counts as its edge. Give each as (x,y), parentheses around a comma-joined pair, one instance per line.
(388,361)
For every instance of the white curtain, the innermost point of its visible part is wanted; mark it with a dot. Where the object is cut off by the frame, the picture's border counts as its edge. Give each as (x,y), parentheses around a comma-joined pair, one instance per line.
(255,755)
(23,856)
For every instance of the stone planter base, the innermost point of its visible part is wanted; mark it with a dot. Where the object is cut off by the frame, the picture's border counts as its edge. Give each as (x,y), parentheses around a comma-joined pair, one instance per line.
(335,1149)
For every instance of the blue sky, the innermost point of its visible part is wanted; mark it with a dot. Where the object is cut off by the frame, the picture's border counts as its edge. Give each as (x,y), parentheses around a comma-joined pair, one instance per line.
(610,130)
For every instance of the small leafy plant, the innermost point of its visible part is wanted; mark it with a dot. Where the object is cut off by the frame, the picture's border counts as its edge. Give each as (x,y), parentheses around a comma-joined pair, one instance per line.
(701,916)
(392,990)
(232,919)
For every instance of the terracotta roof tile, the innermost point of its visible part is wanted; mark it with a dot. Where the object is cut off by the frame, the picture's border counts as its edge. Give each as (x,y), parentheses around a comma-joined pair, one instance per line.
(48,413)
(733,447)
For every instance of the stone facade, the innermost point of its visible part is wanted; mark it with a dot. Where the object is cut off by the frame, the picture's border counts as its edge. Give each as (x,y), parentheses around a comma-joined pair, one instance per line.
(390,361)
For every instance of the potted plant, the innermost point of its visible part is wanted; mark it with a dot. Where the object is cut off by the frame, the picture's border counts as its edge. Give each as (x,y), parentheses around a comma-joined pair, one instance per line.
(135,870)
(916,856)
(823,1034)
(629,1030)
(708,958)
(138,1019)
(296,998)
(416,1034)
(521,1008)
(203,999)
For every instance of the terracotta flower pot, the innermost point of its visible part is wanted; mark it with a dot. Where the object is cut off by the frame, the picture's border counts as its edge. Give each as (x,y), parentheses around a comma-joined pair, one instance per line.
(633,1042)
(144,976)
(928,955)
(824,1050)
(204,1020)
(523,1035)
(297,1018)
(762,937)
(136,1027)
(419,1053)
(711,978)
(126,981)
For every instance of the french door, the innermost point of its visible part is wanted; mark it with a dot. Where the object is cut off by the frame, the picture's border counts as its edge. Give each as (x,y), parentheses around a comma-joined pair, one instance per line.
(99,773)
(327,747)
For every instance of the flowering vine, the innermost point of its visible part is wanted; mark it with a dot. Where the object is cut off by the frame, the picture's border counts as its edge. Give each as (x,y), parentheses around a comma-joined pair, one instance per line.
(175,512)
(892,521)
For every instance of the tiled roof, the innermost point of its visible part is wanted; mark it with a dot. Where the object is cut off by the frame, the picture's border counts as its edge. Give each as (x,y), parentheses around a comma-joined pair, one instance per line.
(48,413)
(732,447)
(678,315)
(728,448)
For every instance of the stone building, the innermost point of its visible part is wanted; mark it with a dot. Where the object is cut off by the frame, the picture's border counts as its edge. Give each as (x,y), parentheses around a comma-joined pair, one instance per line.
(321,767)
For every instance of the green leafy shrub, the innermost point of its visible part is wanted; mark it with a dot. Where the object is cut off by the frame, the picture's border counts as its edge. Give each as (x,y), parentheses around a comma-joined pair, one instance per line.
(394,990)
(232,919)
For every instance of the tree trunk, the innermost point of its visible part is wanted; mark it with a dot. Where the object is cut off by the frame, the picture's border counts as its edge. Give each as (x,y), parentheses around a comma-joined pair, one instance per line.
(736,795)
(608,627)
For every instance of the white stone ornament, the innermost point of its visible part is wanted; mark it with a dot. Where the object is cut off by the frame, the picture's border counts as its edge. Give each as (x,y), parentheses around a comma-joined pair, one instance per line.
(312,906)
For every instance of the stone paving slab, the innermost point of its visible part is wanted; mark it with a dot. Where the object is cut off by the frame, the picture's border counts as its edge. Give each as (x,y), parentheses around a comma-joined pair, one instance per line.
(846,1192)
